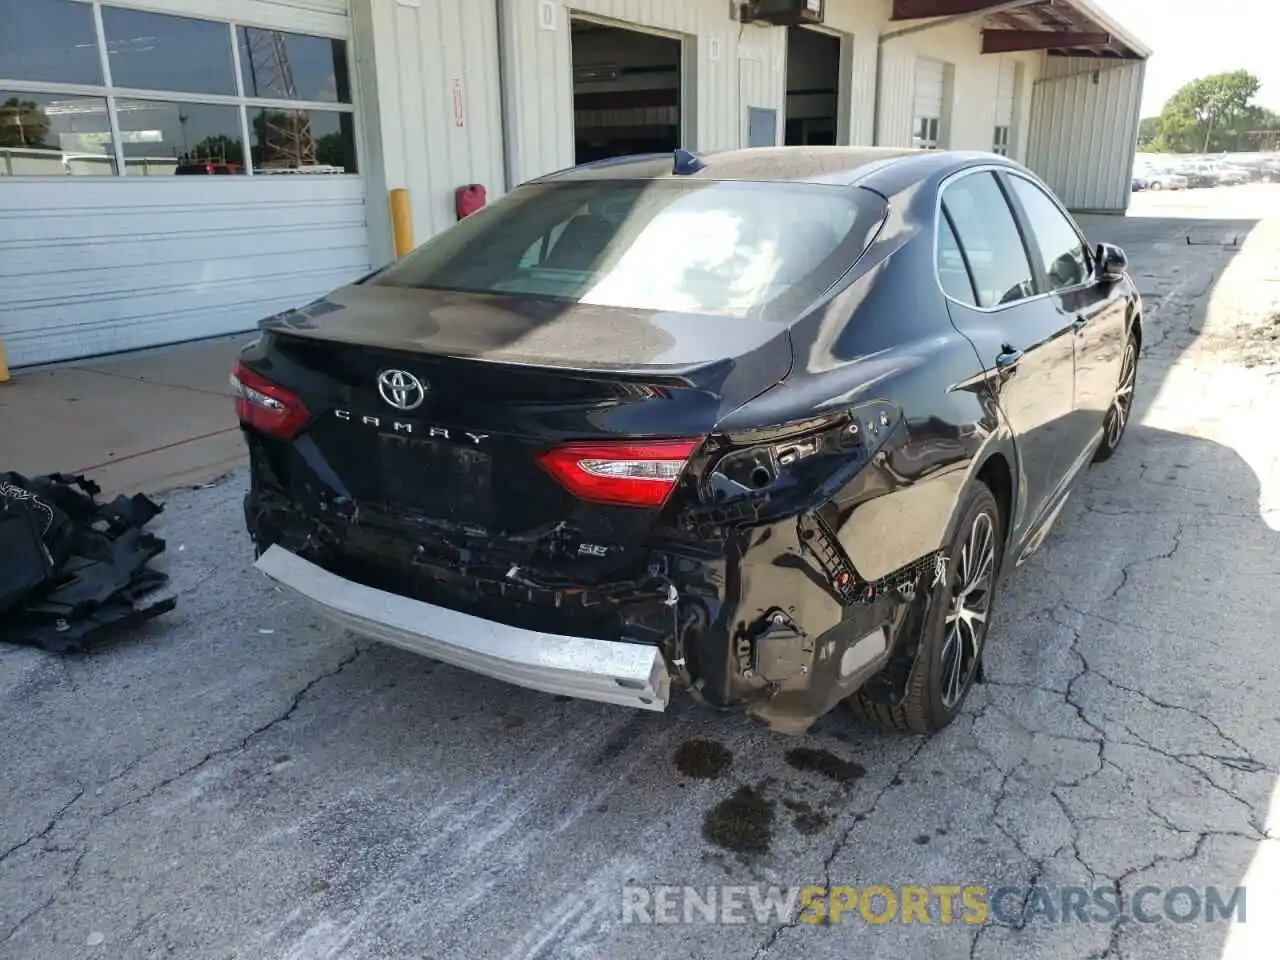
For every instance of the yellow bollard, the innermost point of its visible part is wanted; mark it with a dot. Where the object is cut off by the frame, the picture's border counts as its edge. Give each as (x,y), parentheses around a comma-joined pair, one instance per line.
(401,221)
(4,365)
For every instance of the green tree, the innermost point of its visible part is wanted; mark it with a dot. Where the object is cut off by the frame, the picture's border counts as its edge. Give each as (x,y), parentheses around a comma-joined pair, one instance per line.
(1148,131)
(23,123)
(218,148)
(1207,114)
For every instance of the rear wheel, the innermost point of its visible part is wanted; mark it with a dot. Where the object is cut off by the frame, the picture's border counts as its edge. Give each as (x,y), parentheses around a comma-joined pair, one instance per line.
(1121,408)
(956,613)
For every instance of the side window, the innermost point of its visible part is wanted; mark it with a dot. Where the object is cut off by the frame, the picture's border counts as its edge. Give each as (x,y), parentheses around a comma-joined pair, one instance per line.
(953,274)
(1066,263)
(985,228)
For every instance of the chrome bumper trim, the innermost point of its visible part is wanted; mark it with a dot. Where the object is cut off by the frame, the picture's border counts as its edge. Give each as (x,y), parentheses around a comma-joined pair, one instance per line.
(626,674)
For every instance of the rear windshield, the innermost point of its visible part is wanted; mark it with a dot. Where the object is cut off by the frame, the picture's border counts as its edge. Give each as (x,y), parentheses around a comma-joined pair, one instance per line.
(721,247)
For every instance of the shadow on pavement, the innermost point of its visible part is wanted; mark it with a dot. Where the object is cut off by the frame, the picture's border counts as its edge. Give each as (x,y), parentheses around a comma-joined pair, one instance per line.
(1145,616)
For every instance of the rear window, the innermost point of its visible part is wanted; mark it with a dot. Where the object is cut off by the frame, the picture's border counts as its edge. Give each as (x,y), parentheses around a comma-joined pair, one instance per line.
(720,247)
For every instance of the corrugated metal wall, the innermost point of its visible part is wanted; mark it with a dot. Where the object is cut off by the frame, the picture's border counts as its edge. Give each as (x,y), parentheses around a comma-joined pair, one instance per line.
(431,101)
(1084,130)
(538,72)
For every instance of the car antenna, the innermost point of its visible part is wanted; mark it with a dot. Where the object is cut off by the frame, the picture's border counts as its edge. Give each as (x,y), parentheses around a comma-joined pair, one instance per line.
(687,162)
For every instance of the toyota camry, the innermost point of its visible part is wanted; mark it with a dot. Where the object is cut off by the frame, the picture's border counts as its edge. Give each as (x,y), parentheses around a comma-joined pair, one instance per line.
(764,427)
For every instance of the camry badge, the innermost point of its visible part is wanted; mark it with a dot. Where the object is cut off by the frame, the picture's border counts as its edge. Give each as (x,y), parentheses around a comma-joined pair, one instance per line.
(401,389)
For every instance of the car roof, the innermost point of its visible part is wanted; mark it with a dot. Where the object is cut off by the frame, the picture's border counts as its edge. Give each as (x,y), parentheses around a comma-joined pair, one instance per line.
(885,169)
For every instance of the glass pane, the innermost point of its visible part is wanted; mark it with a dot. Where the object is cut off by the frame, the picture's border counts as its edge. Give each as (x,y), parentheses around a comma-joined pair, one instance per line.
(44,135)
(952,273)
(152,51)
(727,248)
(989,235)
(1065,260)
(292,66)
(302,141)
(179,138)
(49,40)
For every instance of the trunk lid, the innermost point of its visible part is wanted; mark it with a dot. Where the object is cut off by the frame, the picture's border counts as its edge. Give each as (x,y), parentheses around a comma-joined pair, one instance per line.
(502,381)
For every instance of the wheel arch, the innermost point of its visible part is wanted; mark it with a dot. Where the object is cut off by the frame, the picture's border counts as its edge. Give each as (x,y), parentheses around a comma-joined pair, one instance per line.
(996,472)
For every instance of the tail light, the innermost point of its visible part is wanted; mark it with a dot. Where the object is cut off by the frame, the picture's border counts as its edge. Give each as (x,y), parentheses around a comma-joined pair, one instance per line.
(630,473)
(266,406)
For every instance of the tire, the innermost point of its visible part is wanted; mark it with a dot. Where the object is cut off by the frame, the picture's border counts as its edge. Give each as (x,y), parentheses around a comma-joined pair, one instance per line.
(1156,185)
(1121,409)
(935,693)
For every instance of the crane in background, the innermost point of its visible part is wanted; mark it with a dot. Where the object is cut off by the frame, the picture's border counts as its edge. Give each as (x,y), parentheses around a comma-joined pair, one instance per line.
(286,134)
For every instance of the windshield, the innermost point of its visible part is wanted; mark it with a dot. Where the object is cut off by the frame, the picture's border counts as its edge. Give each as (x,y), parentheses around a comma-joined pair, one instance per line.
(721,247)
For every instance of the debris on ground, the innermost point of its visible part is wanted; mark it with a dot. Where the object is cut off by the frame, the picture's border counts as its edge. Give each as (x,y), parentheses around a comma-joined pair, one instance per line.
(74,569)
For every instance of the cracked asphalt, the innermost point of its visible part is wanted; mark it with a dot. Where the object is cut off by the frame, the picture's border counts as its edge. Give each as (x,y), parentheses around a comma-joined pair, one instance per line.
(240,781)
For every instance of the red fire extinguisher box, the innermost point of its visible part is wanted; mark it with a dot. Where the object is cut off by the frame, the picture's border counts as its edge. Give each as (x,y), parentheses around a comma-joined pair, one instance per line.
(469,199)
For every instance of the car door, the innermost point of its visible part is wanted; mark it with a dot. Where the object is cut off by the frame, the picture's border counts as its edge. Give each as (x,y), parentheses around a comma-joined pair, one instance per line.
(1020,336)
(1093,308)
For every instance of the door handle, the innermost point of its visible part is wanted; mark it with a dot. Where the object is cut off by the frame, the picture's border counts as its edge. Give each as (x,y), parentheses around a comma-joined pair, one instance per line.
(1007,361)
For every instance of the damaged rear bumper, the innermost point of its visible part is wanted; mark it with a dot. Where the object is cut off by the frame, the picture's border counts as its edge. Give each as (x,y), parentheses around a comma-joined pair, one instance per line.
(625,674)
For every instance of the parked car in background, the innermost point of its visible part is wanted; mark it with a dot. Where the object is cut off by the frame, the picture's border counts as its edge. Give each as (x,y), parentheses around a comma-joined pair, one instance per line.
(1140,182)
(1261,169)
(1161,179)
(1198,174)
(1231,175)
(593,441)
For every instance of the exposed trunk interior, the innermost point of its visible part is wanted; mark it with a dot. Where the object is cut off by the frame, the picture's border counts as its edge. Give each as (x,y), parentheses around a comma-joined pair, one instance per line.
(626,92)
(813,88)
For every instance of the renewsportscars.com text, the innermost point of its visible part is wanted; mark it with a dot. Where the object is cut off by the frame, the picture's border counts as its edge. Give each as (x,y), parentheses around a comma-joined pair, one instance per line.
(937,904)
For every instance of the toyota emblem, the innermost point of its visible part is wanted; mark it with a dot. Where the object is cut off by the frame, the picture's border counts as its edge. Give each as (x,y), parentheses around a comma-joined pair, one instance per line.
(401,389)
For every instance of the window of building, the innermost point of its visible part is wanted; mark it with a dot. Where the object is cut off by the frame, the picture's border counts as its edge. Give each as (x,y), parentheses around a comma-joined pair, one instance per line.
(151,94)
(50,41)
(926,136)
(988,234)
(317,66)
(156,51)
(1000,141)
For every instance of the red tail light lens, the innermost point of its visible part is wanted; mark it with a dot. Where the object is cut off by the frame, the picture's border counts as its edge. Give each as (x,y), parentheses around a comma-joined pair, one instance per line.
(266,406)
(632,474)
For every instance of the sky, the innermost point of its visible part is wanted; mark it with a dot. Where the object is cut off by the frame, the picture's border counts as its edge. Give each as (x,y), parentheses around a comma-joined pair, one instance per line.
(1191,38)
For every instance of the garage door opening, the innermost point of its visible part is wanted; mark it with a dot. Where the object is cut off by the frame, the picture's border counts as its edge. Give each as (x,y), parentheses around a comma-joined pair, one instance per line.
(813,88)
(626,92)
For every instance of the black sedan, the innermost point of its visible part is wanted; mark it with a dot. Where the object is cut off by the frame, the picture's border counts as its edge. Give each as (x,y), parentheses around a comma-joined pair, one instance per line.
(764,426)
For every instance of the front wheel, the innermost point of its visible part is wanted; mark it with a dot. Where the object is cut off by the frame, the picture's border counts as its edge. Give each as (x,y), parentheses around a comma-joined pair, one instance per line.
(956,613)
(1121,409)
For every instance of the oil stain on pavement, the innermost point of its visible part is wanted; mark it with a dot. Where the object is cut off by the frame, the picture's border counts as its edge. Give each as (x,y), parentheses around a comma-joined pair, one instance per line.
(824,763)
(702,759)
(743,822)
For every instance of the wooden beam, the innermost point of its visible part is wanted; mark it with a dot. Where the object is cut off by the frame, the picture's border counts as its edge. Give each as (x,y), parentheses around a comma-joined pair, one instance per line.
(1011,41)
(919,9)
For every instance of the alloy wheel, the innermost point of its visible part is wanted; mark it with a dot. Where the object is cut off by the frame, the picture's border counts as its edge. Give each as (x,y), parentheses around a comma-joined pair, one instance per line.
(1122,402)
(966,621)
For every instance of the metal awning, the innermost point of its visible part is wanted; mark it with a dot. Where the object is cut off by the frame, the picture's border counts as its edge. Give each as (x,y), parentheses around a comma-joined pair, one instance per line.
(1062,28)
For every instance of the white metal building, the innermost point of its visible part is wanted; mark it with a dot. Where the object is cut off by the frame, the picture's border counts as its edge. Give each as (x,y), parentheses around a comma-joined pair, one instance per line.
(177,169)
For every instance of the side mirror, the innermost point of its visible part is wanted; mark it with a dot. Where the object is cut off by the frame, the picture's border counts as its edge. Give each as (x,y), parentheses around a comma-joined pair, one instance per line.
(1112,264)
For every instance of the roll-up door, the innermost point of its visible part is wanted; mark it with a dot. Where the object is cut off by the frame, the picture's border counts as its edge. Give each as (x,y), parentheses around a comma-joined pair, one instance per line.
(182,194)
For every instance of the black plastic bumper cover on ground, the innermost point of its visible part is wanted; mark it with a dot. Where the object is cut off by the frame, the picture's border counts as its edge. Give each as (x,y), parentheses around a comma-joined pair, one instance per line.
(71,568)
